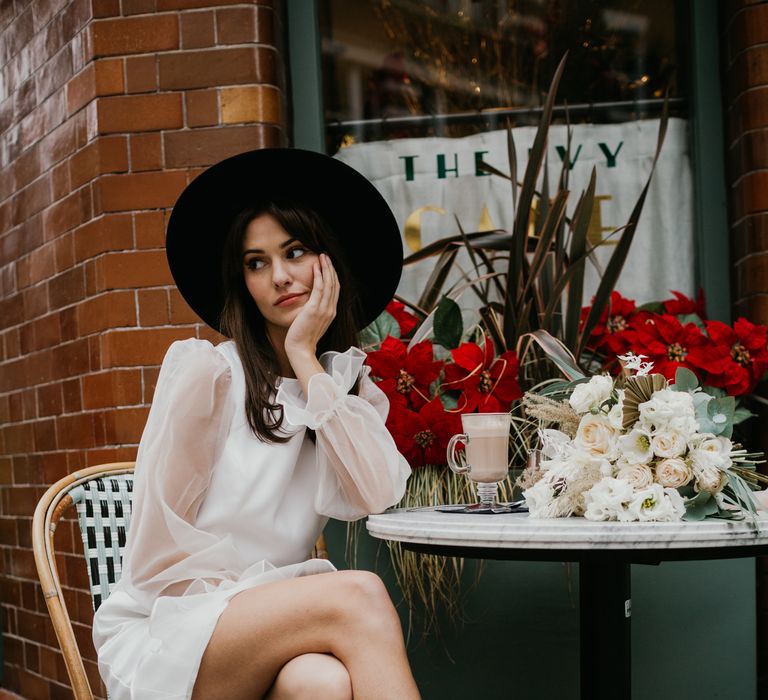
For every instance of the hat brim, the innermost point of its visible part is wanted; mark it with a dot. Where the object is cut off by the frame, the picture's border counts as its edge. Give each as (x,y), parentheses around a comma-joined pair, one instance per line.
(357,213)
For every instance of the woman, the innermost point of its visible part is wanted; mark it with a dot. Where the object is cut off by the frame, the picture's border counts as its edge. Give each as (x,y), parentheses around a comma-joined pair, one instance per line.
(252,444)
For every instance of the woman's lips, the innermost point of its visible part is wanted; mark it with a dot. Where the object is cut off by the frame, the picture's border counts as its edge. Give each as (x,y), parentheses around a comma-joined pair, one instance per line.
(287,301)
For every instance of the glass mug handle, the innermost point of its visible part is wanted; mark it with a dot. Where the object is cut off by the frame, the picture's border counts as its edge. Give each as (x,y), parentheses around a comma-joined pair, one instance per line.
(452,461)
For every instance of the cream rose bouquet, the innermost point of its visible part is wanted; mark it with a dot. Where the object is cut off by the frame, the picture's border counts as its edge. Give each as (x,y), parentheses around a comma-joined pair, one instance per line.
(637,448)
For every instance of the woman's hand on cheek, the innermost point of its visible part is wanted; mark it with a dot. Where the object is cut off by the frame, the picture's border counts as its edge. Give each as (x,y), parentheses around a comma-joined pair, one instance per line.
(317,314)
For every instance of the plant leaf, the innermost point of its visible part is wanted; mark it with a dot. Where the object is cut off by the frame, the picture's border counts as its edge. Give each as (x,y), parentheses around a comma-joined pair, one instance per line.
(685,380)
(448,324)
(374,333)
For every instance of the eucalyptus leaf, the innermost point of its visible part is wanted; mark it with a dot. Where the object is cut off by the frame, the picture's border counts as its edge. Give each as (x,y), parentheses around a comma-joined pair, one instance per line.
(720,413)
(448,323)
(741,414)
(700,507)
(374,334)
(685,380)
(715,391)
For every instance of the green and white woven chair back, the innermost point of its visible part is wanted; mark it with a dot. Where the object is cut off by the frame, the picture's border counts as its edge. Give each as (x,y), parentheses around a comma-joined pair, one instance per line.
(104,512)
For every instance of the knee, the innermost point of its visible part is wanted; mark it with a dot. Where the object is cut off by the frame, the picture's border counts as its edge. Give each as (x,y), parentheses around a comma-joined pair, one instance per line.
(364,598)
(315,676)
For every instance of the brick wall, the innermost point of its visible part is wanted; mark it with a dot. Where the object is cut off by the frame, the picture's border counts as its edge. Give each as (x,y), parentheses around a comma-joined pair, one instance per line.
(107,109)
(745,90)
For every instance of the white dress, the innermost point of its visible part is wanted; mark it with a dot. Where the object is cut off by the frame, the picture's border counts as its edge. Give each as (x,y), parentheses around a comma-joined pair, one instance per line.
(217,511)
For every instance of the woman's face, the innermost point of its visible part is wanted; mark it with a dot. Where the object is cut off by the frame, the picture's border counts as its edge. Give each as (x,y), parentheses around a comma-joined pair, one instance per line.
(278,271)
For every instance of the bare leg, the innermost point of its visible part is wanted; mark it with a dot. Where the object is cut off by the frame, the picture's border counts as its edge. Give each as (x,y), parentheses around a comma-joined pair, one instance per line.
(346,613)
(316,676)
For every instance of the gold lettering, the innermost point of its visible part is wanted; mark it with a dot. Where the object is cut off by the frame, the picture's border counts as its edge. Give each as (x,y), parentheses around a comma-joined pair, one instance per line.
(413,226)
(596,228)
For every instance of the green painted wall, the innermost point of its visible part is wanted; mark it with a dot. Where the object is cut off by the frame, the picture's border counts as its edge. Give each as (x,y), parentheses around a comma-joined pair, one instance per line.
(693,625)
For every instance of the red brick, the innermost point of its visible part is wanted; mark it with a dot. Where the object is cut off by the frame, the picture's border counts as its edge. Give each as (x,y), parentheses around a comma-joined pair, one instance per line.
(197,30)
(141,74)
(31,199)
(107,154)
(749,112)
(202,108)
(138,7)
(153,307)
(191,4)
(47,331)
(748,29)
(105,8)
(116,37)
(110,232)
(208,146)
(68,213)
(753,190)
(72,396)
(60,182)
(75,431)
(102,455)
(49,400)
(45,435)
(180,310)
(64,249)
(139,113)
(141,268)
(67,288)
(237,25)
(42,263)
(124,425)
(105,311)
(112,388)
(131,348)
(141,190)
(150,229)
(26,168)
(230,66)
(146,152)
(259,103)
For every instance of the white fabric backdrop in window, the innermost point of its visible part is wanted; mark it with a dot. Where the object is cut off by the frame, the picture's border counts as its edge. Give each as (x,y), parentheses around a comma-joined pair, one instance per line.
(438,176)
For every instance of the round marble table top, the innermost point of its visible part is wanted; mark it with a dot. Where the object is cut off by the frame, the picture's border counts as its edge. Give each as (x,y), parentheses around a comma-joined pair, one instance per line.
(519,531)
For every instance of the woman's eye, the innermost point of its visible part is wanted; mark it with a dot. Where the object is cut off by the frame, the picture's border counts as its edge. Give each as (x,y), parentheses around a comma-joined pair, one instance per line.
(297,252)
(254,264)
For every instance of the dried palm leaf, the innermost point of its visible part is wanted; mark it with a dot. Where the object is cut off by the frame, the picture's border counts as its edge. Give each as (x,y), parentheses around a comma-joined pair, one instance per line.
(638,390)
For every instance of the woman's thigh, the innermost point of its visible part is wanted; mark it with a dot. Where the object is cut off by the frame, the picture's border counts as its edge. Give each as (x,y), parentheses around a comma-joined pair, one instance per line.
(265,627)
(315,676)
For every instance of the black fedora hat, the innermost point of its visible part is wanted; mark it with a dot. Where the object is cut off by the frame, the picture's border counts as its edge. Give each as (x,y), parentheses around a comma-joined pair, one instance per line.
(357,213)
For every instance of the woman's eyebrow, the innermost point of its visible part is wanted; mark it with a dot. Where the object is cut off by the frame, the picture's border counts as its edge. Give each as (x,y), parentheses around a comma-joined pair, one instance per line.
(259,251)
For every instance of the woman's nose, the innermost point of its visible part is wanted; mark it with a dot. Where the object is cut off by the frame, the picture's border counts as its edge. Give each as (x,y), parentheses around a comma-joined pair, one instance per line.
(280,274)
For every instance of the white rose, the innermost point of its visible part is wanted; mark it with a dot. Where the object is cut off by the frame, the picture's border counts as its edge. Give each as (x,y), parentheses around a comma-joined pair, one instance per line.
(673,473)
(656,503)
(597,436)
(707,459)
(639,476)
(606,500)
(590,395)
(718,447)
(710,479)
(669,410)
(669,443)
(636,446)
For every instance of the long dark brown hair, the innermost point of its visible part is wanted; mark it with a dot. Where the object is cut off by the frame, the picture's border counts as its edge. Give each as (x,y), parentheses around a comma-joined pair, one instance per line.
(242,321)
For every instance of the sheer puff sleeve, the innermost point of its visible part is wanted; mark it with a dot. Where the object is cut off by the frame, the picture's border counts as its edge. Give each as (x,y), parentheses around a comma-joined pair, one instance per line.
(185,432)
(360,469)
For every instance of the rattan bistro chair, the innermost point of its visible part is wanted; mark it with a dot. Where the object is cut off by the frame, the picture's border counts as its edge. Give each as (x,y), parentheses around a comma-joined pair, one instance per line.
(102,495)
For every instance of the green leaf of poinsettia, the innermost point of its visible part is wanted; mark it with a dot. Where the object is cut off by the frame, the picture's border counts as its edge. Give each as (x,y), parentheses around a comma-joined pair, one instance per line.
(373,334)
(448,324)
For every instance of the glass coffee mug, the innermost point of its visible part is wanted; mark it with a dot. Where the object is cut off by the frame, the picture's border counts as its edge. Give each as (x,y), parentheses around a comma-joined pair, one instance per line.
(486,440)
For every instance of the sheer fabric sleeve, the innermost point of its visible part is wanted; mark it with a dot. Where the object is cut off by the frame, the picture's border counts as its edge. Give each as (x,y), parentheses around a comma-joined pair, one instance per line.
(185,432)
(360,469)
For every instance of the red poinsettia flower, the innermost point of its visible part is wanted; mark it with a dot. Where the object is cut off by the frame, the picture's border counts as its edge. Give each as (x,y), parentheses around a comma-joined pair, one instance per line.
(489,383)
(669,344)
(405,319)
(404,375)
(607,335)
(422,437)
(683,305)
(743,352)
